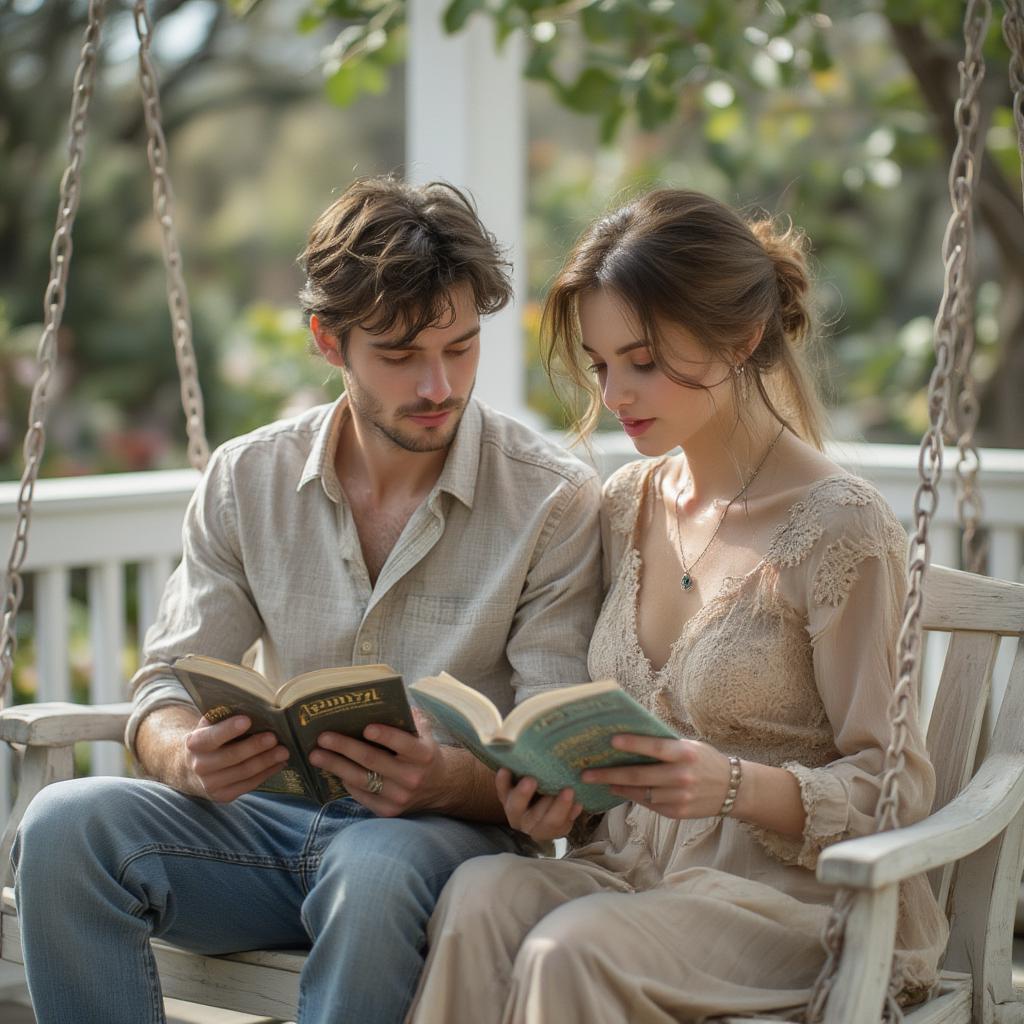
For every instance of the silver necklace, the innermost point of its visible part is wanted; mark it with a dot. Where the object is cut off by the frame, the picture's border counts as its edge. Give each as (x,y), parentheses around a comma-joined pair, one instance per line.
(687,581)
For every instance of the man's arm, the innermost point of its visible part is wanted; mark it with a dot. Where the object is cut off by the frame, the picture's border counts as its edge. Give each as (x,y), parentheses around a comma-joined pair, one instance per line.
(206,607)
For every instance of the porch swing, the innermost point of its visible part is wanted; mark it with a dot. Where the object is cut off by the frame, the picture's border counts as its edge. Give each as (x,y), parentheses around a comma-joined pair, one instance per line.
(971,846)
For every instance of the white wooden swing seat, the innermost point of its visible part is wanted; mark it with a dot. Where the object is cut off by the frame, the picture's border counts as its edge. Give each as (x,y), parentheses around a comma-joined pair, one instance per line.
(972,844)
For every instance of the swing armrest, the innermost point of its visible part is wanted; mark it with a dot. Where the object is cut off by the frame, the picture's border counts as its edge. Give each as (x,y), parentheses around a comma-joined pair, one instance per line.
(60,724)
(986,805)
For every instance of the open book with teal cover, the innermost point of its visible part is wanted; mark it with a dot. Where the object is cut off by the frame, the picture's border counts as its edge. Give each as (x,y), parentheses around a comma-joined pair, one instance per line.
(552,736)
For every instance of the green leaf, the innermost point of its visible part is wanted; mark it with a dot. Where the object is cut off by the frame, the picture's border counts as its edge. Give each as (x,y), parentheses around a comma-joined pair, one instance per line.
(594,92)
(309,21)
(343,86)
(821,59)
(353,79)
(654,106)
(723,125)
(240,8)
(610,123)
(457,13)
(538,63)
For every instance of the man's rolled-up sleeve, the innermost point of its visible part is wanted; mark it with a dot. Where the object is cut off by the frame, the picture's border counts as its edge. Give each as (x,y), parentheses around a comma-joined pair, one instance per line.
(207,606)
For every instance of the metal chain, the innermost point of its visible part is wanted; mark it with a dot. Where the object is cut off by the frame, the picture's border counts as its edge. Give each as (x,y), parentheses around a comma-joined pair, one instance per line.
(948,321)
(163,206)
(963,408)
(53,313)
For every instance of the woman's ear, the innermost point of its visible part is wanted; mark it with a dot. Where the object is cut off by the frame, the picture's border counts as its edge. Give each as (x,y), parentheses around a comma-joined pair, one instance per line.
(755,340)
(327,342)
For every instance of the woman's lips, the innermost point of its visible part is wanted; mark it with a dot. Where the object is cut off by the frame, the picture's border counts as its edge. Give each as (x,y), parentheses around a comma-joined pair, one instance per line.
(635,427)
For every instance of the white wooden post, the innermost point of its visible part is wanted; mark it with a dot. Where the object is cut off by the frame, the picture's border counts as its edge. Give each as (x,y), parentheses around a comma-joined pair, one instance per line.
(52,596)
(465,124)
(107,633)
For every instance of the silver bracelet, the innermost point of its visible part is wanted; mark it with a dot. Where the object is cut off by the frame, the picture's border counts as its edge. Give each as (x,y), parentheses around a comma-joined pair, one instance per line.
(735,778)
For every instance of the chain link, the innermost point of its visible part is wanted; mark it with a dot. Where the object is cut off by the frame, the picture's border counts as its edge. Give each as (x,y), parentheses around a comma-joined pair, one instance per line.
(163,206)
(53,313)
(953,314)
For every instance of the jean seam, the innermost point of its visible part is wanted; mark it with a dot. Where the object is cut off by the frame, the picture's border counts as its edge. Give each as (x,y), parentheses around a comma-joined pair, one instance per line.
(198,853)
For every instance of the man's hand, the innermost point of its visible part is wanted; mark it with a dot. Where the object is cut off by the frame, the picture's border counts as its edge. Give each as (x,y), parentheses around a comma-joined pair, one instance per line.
(225,766)
(412,768)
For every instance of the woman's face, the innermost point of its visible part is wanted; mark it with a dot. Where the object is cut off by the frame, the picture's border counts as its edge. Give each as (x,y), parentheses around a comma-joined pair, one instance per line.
(656,412)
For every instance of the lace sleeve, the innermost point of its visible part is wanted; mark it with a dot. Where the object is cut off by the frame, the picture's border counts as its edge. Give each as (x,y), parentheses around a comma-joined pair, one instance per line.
(853,576)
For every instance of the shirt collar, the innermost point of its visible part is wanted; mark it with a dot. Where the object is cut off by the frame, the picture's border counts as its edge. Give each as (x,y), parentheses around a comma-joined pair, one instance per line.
(320,462)
(458,477)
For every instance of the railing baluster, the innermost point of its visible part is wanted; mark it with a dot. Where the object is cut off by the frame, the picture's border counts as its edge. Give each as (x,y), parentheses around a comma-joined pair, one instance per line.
(51,634)
(107,635)
(945,551)
(153,575)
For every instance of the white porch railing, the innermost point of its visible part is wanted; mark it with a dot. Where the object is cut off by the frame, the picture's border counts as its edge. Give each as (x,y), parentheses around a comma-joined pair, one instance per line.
(105,524)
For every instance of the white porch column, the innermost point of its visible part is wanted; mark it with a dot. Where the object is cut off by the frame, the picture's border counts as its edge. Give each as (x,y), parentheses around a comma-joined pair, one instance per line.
(465,123)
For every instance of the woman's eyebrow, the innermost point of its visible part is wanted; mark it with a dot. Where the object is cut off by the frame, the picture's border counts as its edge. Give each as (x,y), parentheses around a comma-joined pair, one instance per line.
(640,343)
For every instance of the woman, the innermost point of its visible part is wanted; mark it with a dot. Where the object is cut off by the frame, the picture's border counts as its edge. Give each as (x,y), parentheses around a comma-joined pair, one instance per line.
(755,596)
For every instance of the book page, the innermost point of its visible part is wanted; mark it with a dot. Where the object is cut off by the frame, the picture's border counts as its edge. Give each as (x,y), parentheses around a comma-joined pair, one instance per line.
(309,683)
(248,680)
(478,714)
(540,704)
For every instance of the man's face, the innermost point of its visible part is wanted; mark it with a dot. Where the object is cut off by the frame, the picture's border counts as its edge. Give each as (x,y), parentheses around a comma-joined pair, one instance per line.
(413,391)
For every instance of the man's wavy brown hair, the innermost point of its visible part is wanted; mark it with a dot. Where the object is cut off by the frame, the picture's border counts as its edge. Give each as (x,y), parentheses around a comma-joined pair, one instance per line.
(386,254)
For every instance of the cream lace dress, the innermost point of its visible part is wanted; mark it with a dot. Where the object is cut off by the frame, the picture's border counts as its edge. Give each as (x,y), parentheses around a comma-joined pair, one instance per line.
(654,919)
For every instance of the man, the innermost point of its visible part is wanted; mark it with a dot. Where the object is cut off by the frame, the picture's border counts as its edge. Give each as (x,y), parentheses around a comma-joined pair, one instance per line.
(406,523)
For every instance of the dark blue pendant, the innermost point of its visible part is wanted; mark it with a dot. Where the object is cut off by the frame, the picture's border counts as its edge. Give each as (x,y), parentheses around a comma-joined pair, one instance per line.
(686,582)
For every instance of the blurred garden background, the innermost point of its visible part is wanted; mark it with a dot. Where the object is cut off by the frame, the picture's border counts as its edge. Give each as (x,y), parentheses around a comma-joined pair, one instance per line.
(837,114)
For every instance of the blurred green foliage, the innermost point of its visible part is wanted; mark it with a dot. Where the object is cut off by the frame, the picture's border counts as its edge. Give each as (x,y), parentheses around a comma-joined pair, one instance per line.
(837,112)
(814,109)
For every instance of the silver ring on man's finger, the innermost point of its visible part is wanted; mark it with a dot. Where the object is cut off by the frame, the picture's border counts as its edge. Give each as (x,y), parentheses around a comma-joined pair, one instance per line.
(647,796)
(374,781)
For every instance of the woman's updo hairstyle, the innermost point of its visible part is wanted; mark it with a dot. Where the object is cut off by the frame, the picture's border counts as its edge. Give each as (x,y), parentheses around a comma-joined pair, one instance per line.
(680,257)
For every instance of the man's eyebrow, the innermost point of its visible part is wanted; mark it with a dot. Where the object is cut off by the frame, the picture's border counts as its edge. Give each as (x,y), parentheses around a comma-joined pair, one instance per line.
(639,343)
(407,340)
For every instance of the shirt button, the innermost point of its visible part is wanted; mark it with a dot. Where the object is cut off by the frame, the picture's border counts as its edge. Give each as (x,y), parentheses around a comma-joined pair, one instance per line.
(366,646)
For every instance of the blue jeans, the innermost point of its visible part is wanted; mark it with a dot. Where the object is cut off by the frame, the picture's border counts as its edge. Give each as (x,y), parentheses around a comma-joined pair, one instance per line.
(105,864)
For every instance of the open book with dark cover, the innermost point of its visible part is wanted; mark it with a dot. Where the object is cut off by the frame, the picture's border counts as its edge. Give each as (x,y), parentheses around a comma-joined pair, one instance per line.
(343,700)
(552,736)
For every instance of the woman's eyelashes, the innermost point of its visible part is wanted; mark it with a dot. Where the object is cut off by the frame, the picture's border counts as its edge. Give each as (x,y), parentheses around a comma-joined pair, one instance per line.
(639,367)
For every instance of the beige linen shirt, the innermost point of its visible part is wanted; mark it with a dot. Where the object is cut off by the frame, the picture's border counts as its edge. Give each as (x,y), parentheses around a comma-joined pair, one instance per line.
(495,578)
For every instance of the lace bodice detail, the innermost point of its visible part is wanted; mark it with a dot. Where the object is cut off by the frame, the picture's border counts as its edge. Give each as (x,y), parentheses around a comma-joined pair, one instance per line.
(741,673)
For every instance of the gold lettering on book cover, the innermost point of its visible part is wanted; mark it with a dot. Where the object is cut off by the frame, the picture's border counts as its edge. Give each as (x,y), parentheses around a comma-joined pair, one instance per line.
(339,702)
(577,750)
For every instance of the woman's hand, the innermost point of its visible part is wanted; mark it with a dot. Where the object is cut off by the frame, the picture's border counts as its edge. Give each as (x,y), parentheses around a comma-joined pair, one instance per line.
(547,817)
(689,780)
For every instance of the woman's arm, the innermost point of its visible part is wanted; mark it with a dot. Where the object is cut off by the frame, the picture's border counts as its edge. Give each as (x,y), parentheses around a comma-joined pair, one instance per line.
(691,780)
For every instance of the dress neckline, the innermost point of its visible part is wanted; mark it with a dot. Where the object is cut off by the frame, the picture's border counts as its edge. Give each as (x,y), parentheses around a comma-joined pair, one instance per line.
(729,587)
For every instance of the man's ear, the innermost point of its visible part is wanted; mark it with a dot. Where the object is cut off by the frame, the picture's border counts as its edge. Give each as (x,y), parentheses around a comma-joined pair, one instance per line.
(327,342)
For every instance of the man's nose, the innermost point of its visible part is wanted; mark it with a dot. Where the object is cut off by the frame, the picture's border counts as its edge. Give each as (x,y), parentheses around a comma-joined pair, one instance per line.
(434,384)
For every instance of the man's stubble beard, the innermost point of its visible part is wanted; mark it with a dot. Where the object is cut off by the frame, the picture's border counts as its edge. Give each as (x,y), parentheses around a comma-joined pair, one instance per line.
(371,411)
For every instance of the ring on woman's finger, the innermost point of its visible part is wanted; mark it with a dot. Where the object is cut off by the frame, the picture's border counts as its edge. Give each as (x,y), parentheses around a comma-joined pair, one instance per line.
(647,796)
(374,781)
